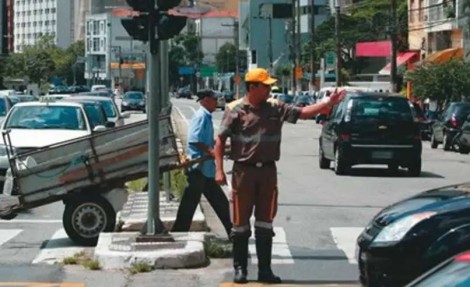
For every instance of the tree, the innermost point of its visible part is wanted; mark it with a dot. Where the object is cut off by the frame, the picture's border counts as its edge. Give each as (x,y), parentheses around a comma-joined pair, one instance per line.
(226,58)
(441,82)
(366,20)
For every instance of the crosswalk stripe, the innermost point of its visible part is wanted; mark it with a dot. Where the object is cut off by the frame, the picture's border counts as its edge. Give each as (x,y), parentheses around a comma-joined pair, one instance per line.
(57,249)
(345,239)
(8,234)
(281,253)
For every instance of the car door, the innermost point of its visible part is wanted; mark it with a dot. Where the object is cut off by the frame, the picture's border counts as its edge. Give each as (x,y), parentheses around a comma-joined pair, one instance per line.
(438,127)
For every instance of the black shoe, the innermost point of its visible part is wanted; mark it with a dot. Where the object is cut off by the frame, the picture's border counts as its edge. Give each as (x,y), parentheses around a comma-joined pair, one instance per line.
(264,244)
(240,258)
(268,277)
(240,276)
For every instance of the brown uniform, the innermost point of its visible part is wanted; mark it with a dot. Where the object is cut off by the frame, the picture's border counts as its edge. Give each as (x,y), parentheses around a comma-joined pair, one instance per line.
(255,135)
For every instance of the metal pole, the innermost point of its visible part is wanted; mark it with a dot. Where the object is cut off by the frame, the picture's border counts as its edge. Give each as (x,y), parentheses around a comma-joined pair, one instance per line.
(120,69)
(270,51)
(299,51)
(237,57)
(165,102)
(393,38)
(293,51)
(312,46)
(154,225)
(338,44)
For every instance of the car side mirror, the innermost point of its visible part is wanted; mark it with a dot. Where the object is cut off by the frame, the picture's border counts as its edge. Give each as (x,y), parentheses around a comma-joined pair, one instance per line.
(99,128)
(125,115)
(468,118)
(110,125)
(322,117)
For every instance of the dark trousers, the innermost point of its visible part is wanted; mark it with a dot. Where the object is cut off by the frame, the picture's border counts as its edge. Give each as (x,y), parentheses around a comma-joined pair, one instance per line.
(198,184)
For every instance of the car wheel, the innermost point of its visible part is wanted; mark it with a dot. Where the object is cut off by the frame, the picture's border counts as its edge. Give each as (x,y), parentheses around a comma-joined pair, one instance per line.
(341,167)
(445,142)
(463,149)
(324,162)
(84,219)
(414,169)
(434,143)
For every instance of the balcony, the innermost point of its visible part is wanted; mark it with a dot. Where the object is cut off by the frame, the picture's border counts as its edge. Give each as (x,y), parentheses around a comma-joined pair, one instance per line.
(442,16)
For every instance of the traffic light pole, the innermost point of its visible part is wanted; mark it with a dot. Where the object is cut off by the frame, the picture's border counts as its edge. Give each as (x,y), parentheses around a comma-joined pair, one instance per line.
(154,224)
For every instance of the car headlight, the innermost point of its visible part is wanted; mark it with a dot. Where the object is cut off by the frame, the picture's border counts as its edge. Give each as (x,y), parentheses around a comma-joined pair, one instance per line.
(125,103)
(397,230)
(141,103)
(3,150)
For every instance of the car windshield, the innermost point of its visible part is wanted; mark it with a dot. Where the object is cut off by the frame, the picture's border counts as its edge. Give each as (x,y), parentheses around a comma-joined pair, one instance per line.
(462,109)
(3,108)
(451,275)
(46,117)
(95,114)
(286,98)
(108,108)
(381,108)
(134,96)
(303,99)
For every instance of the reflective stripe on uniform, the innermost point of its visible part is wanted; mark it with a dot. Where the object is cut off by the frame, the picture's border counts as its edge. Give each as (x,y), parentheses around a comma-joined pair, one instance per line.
(263,224)
(241,229)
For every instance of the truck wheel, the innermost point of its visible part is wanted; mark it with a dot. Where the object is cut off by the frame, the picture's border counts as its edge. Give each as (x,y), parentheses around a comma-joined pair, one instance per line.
(446,142)
(84,219)
(434,143)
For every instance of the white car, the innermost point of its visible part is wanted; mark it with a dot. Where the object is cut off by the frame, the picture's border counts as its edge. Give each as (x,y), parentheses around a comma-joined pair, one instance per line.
(112,111)
(33,125)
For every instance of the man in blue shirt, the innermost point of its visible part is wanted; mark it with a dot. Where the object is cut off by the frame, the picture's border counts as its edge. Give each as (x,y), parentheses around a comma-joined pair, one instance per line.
(201,177)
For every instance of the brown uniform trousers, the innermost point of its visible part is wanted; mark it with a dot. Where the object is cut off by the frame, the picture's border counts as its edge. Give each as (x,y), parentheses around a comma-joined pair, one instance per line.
(253,186)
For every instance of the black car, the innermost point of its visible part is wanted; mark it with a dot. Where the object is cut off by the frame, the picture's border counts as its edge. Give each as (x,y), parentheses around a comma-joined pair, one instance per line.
(371,128)
(454,272)
(133,101)
(464,140)
(408,238)
(448,124)
(229,96)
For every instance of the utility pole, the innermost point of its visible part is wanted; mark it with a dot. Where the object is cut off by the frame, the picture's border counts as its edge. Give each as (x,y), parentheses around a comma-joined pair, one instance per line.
(338,43)
(299,50)
(237,57)
(312,46)
(270,48)
(293,51)
(393,38)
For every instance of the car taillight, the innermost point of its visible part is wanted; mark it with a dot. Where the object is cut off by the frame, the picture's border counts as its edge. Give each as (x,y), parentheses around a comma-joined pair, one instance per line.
(345,137)
(454,122)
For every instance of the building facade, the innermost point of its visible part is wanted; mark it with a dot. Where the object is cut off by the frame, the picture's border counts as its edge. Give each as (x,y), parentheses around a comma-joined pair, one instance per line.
(112,56)
(35,18)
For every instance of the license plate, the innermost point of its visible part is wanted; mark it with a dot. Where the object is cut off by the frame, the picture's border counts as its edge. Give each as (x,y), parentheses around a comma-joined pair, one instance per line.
(382,154)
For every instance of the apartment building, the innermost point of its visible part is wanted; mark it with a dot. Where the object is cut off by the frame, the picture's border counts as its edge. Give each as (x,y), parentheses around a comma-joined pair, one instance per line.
(35,18)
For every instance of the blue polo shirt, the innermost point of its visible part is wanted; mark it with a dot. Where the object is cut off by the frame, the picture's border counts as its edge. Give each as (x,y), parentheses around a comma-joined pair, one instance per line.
(201,130)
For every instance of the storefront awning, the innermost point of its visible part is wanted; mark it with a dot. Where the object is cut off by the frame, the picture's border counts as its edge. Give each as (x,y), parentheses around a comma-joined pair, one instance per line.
(402,58)
(445,55)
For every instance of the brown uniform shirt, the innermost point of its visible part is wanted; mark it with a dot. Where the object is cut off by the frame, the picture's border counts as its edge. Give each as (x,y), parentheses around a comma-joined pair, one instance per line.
(255,134)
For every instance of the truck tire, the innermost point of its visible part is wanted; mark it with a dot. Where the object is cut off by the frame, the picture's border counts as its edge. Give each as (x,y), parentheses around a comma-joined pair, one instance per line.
(341,166)
(414,170)
(85,218)
(323,161)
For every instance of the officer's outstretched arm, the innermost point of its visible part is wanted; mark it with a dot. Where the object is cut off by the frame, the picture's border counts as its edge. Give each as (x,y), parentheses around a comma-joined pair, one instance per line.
(220,177)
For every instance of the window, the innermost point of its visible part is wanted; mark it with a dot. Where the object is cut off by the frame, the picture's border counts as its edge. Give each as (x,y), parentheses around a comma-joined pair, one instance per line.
(53,10)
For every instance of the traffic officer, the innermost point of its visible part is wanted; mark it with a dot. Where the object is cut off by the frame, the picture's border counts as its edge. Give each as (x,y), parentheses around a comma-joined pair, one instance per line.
(254,125)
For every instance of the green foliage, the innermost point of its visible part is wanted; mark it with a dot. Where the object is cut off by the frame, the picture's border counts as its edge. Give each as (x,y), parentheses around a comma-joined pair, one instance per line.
(184,51)
(226,58)
(43,60)
(140,268)
(367,20)
(442,82)
(218,249)
(178,182)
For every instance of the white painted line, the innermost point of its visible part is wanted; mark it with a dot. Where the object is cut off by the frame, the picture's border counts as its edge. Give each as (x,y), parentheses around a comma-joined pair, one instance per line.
(182,115)
(345,239)
(16,221)
(280,249)
(58,248)
(8,234)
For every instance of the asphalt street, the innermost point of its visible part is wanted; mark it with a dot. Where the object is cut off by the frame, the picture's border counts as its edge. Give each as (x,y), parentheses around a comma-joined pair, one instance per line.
(319,217)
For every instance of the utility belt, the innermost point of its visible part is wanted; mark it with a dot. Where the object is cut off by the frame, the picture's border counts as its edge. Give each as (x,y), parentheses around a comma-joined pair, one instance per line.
(259,164)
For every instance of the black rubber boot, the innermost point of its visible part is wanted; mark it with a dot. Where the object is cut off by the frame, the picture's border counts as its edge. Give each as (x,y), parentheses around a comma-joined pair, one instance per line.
(264,245)
(240,258)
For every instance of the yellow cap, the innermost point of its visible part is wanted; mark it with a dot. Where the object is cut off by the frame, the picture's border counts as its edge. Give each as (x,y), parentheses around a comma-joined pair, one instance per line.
(259,75)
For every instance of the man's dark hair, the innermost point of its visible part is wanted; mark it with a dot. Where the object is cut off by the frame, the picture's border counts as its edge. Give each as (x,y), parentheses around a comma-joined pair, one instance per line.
(204,93)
